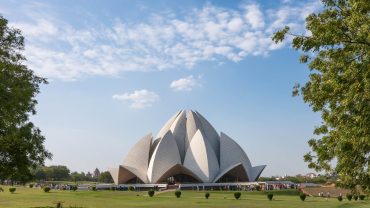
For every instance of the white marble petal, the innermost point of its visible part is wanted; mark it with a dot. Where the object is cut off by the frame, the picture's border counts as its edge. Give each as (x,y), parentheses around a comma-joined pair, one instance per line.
(201,159)
(257,170)
(231,154)
(138,158)
(211,134)
(178,130)
(192,126)
(167,126)
(114,173)
(165,156)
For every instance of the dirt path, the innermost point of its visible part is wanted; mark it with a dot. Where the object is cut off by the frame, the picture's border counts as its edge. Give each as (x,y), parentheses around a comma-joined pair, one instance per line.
(165,191)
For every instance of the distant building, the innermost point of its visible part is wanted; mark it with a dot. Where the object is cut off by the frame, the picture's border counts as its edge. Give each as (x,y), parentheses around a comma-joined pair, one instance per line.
(310,175)
(186,150)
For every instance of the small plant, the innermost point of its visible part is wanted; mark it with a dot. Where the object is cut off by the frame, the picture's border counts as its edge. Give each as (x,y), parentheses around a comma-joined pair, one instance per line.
(237,195)
(93,188)
(258,188)
(270,196)
(178,194)
(46,189)
(131,188)
(30,185)
(1,189)
(362,197)
(12,190)
(58,204)
(340,198)
(349,197)
(355,197)
(151,193)
(206,195)
(302,196)
(74,188)
(112,188)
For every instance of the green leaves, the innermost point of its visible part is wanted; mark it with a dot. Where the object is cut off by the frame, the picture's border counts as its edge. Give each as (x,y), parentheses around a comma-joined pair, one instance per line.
(279,36)
(21,143)
(338,55)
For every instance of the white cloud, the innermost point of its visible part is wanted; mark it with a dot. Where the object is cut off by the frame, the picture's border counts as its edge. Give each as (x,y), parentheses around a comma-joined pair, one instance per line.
(235,24)
(254,16)
(59,50)
(138,99)
(186,83)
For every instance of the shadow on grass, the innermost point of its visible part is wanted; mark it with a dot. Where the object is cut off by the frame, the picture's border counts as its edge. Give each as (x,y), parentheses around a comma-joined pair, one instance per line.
(43,207)
(351,204)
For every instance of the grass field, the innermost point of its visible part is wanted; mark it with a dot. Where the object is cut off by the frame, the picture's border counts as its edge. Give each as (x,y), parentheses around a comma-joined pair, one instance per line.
(26,197)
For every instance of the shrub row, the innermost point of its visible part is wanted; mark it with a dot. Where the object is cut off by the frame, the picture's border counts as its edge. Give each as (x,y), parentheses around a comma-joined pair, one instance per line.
(350,196)
(237,195)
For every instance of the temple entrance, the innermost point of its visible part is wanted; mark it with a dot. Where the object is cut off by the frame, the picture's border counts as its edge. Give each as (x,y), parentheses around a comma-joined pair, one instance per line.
(181,178)
(135,180)
(237,174)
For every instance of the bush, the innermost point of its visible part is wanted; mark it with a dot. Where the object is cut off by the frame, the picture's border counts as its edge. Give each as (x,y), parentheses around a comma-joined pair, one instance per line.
(178,194)
(302,196)
(131,188)
(58,204)
(46,189)
(362,197)
(270,196)
(151,193)
(93,188)
(112,188)
(206,195)
(340,198)
(12,189)
(1,189)
(349,197)
(30,185)
(258,188)
(355,197)
(74,188)
(237,195)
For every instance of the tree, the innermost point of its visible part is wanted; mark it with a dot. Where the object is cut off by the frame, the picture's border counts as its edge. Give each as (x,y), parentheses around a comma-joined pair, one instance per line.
(38,173)
(75,176)
(21,142)
(105,177)
(96,174)
(57,173)
(338,54)
(89,176)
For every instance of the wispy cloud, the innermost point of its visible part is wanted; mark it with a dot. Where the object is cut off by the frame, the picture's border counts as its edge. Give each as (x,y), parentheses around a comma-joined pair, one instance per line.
(138,99)
(186,83)
(60,50)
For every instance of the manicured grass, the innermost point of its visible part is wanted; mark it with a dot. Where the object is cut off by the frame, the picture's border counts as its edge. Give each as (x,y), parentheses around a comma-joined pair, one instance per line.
(26,197)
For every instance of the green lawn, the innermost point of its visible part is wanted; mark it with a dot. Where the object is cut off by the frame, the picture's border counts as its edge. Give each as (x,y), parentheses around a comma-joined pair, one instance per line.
(26,197)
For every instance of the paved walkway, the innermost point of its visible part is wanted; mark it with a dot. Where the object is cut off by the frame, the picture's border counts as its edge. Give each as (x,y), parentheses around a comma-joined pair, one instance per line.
(165,191)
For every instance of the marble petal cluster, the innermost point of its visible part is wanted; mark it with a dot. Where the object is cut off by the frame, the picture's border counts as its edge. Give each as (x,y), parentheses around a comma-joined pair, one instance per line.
(189,145)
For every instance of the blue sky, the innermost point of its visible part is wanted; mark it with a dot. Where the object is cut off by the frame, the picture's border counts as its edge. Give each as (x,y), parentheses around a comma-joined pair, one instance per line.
(119,69)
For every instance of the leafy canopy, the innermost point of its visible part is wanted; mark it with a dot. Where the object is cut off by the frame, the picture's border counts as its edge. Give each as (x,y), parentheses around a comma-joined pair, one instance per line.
(338,54)
(21,143)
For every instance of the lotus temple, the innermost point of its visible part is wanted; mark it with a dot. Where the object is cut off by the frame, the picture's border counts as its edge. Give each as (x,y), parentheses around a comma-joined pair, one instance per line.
(186,150)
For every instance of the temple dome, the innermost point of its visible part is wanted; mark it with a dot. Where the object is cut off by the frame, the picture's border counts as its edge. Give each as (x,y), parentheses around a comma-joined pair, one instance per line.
(186,146)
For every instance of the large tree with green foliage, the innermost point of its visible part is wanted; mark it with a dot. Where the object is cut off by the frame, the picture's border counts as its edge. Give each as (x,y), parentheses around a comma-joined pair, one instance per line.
(105,177)
(338,54)
(21,143)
